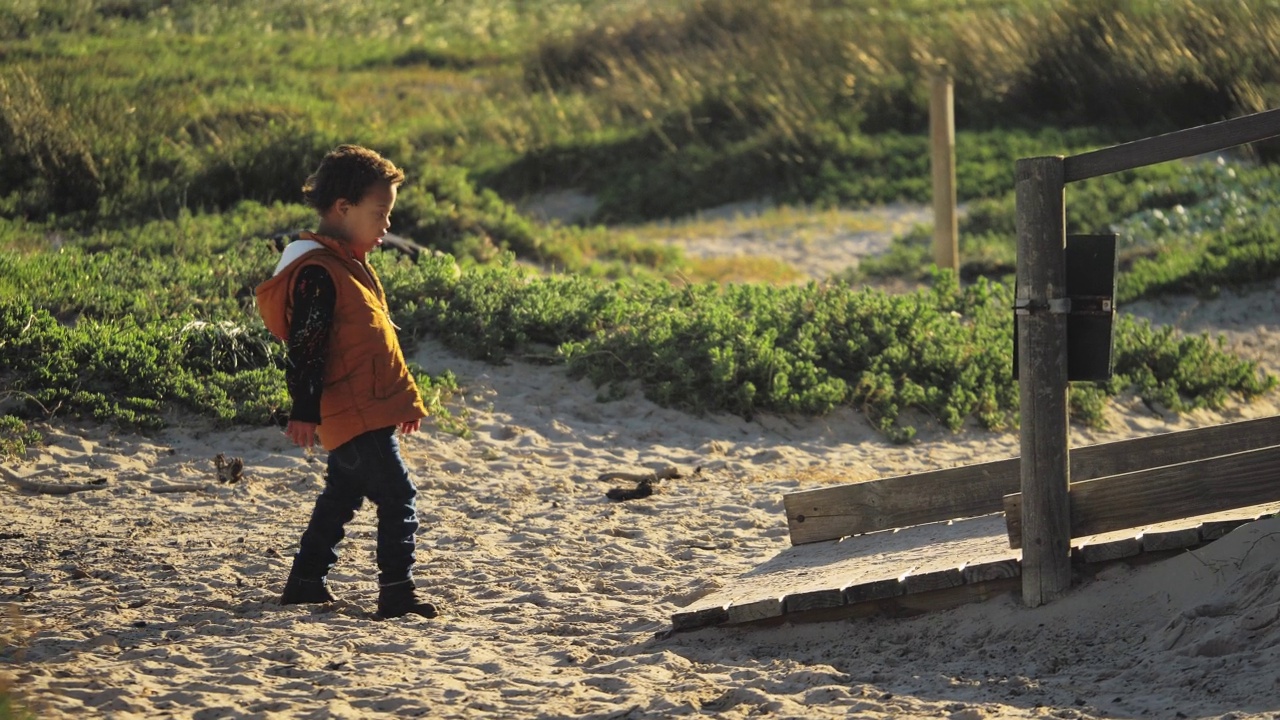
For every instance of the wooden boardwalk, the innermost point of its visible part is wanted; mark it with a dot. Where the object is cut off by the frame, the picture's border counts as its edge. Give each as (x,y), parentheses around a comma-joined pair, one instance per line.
(924,567)
(892,545)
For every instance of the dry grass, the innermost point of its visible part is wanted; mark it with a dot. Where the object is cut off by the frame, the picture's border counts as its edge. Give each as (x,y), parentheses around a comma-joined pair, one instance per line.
(751,242)
(743,269)
(771,222)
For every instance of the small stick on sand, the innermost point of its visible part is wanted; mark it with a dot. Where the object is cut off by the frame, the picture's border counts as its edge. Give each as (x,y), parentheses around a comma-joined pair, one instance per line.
(667,473)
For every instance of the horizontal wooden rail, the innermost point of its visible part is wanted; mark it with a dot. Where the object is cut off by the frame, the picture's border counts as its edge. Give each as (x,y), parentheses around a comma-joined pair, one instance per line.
(1151,496)
(902,501)
(1173,146)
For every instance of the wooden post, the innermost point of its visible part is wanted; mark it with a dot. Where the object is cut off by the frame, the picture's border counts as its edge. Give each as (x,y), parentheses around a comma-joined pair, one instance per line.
(1042,379)
(942,133)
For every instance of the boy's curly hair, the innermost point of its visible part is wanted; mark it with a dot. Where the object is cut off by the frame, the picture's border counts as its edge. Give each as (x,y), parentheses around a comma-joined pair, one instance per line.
(348,171)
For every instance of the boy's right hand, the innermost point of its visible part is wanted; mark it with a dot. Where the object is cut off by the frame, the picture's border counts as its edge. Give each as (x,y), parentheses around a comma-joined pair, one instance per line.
(303,434)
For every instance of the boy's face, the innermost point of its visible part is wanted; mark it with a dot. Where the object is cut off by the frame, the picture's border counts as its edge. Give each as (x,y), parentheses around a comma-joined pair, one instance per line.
(364,223)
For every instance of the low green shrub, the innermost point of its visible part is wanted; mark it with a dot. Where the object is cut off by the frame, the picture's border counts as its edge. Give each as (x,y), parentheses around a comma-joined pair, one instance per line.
(437,391)
(16,436)
(134,374)
(744,349)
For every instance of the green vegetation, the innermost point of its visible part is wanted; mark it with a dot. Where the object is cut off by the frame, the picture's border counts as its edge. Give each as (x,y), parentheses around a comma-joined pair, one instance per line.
(147,149)
(120,109)
(1182,227)
(10,709)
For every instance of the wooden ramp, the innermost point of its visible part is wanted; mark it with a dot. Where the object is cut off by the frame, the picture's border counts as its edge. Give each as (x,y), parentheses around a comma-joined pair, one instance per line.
(955,544)
(921,568)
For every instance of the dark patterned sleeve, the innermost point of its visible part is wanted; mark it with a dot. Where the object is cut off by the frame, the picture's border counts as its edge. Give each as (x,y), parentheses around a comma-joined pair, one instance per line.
(313,300)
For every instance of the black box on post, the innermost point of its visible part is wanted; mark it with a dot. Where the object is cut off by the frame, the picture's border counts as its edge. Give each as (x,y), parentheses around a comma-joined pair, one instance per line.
(1090,308)
(1091,286)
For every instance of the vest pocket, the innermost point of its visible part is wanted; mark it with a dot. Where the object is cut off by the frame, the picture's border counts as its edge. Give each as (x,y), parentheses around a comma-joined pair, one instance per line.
(385,379)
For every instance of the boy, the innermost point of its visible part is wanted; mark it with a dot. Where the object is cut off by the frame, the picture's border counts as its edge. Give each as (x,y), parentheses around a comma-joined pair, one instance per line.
(347,376)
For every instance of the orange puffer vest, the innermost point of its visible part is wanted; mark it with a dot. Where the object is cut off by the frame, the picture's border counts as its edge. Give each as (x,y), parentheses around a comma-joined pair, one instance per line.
(367,384)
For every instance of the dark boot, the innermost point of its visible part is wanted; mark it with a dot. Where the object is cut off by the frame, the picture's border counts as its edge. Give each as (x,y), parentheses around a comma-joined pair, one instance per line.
(399,600)
(298,590)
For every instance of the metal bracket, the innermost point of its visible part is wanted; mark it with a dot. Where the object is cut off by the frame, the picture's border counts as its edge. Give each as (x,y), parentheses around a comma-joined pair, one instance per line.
(1092,305)
(1053,306)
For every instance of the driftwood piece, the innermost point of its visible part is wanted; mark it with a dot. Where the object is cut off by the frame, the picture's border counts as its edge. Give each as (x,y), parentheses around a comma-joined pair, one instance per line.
(229,471)
(49,488)
(179,488)
(667,473)
(644,483)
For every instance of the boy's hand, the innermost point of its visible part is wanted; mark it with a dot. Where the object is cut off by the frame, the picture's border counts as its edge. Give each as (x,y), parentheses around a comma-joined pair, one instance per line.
(303,434)
(411,426)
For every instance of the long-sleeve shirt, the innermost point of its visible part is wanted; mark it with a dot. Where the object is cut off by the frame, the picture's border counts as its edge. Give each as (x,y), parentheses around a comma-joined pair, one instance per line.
(314,297)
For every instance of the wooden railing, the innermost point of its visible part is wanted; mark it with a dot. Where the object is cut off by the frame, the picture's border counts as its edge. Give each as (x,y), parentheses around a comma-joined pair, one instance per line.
(1044,504)
(830,513)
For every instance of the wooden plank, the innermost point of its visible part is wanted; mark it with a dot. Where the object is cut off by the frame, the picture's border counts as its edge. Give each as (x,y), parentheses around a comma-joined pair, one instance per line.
(902,501)
(915,604)
(1215,530)
(1171,448)
(713,609)
(934,580)
(703,617)
(874,590)
(828,513)
(813,600)
(1107,551)
(1004,568)
(1177,491)
(1173,146)
(1170,539)
(948,598)
(762,609)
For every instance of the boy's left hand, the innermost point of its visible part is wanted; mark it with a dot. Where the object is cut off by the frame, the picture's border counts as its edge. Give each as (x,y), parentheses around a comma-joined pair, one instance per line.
(303,434)
(411,426)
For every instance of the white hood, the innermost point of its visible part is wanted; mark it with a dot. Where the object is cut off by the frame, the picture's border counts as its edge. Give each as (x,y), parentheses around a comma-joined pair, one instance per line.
(293,251)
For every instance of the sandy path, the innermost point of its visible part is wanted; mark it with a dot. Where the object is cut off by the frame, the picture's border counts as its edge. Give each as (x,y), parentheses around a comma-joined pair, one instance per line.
(817,246)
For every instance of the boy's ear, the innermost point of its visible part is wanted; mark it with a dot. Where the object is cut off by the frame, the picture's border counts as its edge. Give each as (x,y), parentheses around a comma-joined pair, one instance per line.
(341,206)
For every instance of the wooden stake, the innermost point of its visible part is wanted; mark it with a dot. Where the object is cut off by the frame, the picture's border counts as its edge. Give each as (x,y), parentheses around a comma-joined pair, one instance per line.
(942,133)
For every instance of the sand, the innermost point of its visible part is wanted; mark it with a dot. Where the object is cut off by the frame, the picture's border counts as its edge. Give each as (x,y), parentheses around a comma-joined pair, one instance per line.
(149,599)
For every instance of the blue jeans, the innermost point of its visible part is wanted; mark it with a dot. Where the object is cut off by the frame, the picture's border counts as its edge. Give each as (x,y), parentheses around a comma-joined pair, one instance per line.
(368,466)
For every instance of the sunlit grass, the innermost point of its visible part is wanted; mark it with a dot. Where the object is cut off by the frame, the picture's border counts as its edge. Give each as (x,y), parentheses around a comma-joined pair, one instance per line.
(770,221)
(741,243)
(743,269)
